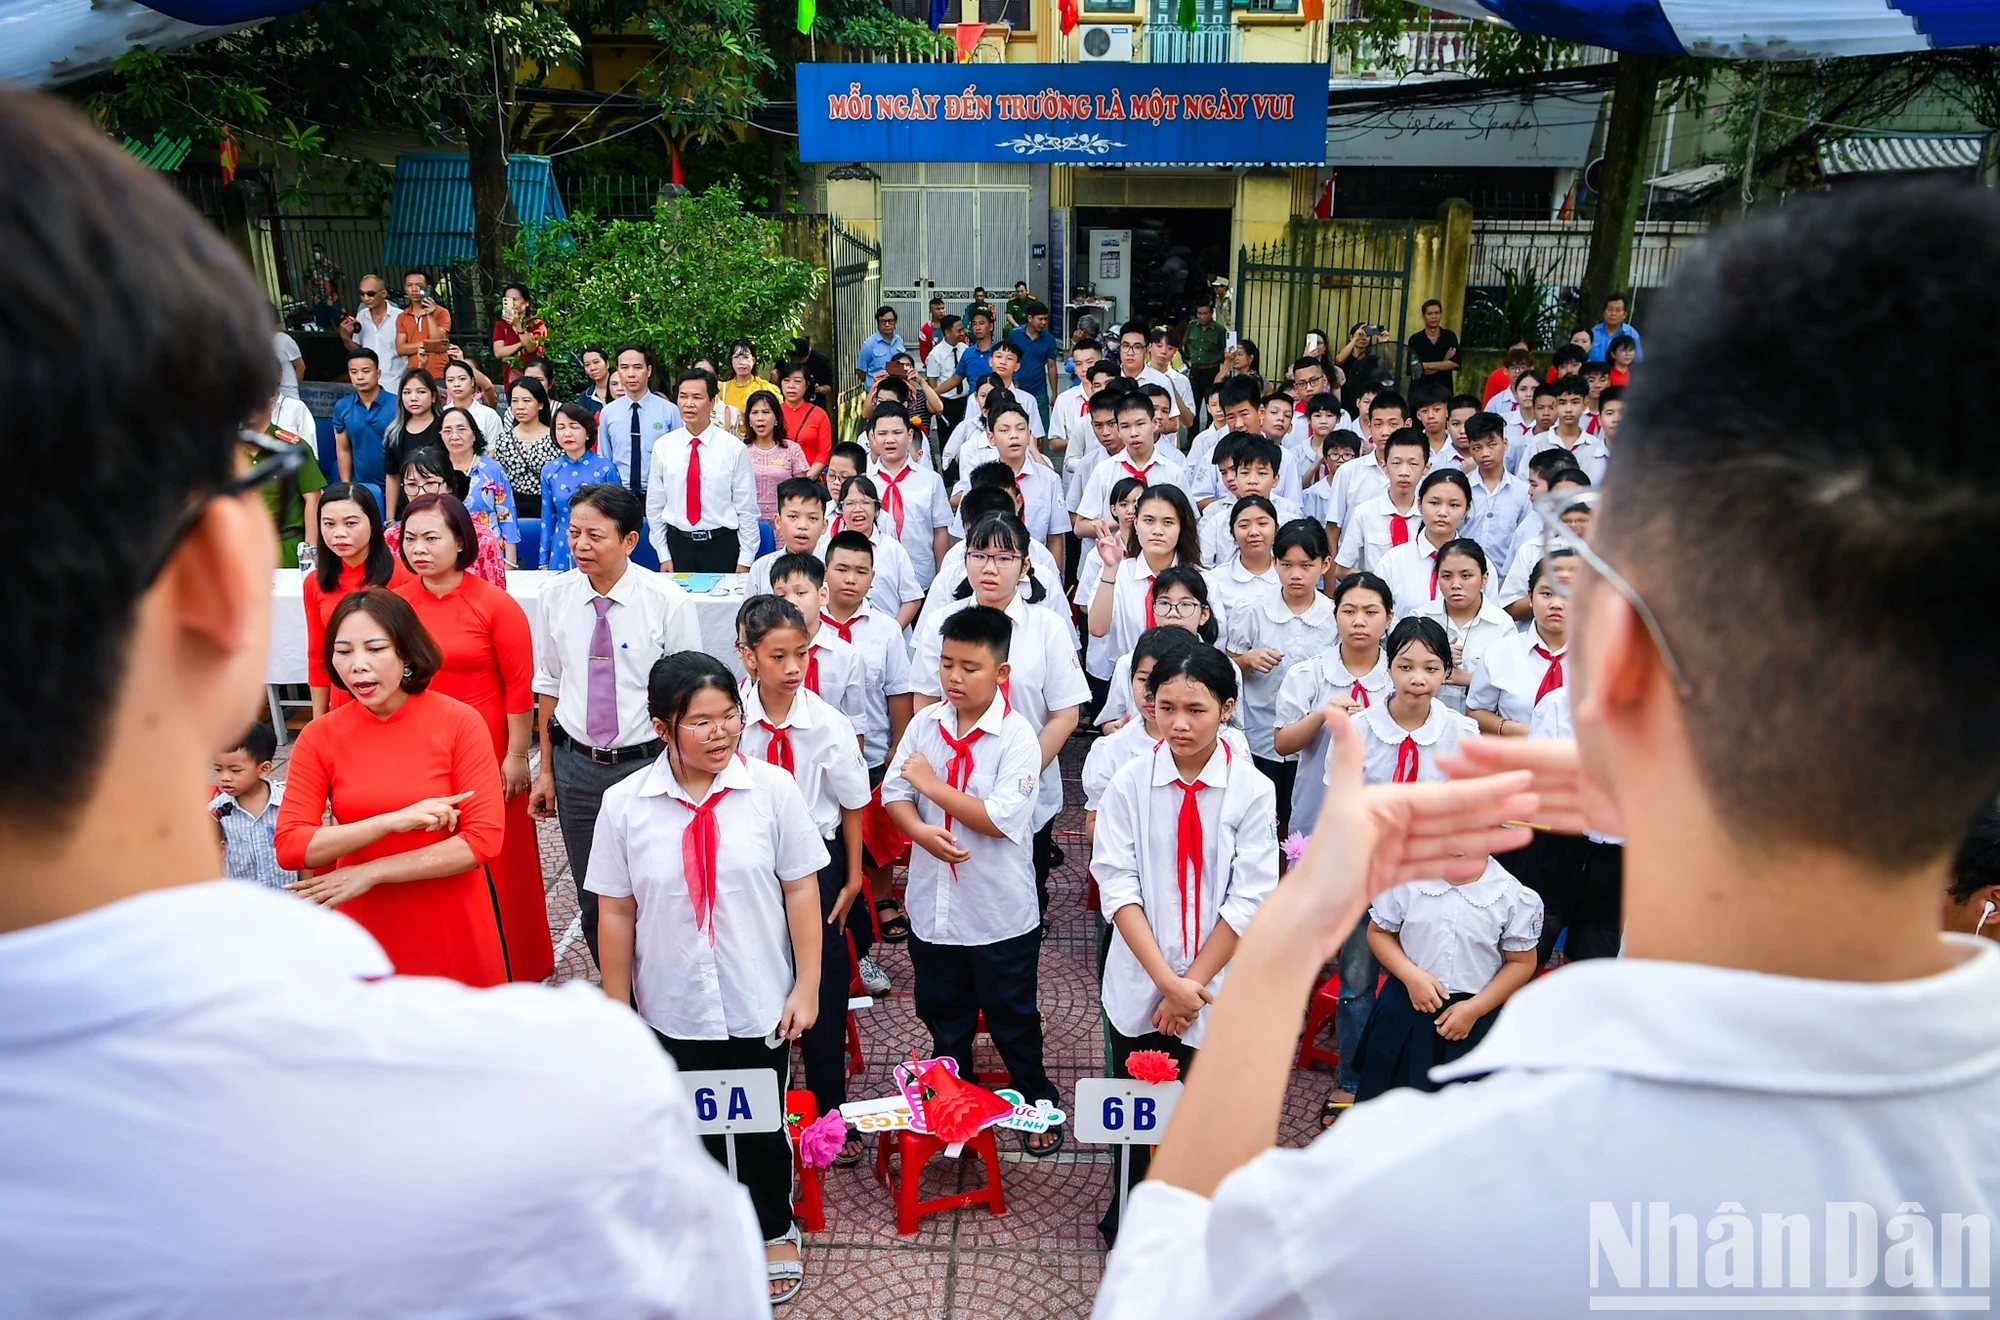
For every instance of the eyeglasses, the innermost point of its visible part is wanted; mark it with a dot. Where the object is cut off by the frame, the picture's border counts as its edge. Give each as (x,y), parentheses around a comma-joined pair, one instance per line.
(982,559)
(1557,536)
(428,486)
(706,730)
(280,462)
(859,505)
(1174,609)
(373,293)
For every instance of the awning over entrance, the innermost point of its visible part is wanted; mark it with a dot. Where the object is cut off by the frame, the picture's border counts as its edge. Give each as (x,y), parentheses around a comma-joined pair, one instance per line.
(1899,155)
(430,211)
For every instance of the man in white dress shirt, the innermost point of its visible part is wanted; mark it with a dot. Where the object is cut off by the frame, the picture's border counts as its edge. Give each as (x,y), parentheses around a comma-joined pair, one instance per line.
(701,501)
(1764,1104)
(217,1099)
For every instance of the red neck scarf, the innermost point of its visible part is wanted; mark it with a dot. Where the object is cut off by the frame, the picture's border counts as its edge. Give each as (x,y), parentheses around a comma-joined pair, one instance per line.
(699,844)
(1434,575)
(1360,694)
(1138,474)
(1406,762)
(812,670)
(779,752)
(846,630)
(1552,677)
(958,771)
(892,495)
(1399,528)
(1190,855)
(1151,578)
(694,481)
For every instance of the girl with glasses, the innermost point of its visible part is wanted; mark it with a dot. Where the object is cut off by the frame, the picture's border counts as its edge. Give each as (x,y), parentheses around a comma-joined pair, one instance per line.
(1179,600)
(895,591)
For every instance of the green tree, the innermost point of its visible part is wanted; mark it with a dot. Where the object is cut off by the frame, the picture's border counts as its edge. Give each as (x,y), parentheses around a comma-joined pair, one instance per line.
(700,273)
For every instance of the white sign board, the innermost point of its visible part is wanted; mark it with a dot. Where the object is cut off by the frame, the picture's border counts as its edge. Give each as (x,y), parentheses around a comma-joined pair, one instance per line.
(1552,131)
(1116,1112)
(729,1100)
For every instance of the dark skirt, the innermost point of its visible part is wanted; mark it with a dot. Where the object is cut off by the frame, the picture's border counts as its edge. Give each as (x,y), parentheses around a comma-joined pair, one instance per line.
(1400,1045)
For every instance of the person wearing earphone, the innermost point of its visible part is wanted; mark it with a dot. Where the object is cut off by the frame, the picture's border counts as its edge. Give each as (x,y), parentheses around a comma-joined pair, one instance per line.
(1972,900)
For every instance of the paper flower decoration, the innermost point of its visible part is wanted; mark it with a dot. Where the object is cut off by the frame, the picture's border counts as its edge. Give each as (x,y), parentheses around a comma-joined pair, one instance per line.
(821,1140)
(1152,1066)
(956,1111)
(1295,846)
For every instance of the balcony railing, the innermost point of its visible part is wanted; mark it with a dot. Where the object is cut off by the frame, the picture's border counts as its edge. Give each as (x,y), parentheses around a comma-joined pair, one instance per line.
(1209,43)
(1443,46)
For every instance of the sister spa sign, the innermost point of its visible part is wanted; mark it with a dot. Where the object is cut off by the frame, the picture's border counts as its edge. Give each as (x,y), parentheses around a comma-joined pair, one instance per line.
(1092,114)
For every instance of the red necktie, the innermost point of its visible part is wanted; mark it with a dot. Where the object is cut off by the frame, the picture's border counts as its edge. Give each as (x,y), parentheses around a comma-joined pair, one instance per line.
(846,630)
(1406,762)
(779,753)
(699,845)
(694,482)
(1188,856)
(958,771)
(1434,575)
(1399,529)
(892,496)
(812,670)
(1358,693)
(1552,677)
(1138,473)
(1150,579)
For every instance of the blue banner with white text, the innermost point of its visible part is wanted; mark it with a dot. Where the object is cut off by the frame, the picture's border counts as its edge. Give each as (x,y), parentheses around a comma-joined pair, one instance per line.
(1087,114)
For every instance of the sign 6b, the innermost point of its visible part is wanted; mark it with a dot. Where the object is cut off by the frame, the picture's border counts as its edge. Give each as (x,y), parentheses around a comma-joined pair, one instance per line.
(1116,1112)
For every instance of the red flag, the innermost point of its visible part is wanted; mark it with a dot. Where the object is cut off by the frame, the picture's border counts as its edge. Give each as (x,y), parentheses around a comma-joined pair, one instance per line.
(1323,208)
(967,35)
(680,179)
(226,149)
(1313,11)
(1067,10)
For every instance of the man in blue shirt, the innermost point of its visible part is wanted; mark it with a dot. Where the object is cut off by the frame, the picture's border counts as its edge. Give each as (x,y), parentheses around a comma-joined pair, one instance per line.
(1038,350)
(878,348)
(1612,326)
(977,359)
(633,422)
(361,420)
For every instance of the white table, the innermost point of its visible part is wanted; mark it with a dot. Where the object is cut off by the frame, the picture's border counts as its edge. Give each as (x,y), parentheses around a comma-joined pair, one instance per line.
(716,612)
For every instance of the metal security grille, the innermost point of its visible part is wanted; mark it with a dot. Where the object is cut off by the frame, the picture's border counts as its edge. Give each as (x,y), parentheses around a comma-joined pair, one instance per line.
(1326,278)
(948,228)
(857,291)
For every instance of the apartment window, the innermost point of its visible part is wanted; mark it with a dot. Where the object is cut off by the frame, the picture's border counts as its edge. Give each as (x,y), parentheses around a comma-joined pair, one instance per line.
(1272,6)
(1019,14)
(1110,6)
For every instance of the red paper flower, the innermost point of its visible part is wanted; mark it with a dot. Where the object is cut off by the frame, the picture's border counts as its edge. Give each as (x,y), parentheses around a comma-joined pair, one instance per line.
(1152,1066)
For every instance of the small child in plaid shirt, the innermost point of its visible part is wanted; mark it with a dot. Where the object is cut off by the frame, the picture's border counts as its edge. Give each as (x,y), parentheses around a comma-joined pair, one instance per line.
(246,809)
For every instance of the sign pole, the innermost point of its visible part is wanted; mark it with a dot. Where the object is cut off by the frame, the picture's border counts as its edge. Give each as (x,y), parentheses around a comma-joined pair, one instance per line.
(1124,1182)
(729,1147)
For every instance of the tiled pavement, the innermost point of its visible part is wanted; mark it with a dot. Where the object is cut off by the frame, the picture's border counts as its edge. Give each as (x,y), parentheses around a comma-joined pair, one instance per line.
(1043,1258)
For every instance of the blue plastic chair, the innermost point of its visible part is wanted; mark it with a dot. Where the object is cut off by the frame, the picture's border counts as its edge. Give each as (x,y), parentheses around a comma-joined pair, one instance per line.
(767,539)
(528,553)
(645,556)
(327,451)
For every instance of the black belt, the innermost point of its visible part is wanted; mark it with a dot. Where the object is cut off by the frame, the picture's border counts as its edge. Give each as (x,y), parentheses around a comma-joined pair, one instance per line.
(645,751)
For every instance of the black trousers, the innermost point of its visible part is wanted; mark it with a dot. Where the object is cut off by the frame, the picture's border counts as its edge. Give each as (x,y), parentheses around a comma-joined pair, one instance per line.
(955,983)
(1582,887)
(823,1047)
(1281,774)
(763,1159)
(580,786)
(1141,1157)
(715,554)
(1047,858)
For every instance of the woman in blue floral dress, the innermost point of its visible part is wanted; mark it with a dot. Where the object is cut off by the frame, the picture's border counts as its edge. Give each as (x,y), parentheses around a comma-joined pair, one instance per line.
(488,498)
(578,465)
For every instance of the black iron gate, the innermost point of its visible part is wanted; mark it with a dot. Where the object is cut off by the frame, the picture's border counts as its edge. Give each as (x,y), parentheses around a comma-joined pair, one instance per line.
(1328,277)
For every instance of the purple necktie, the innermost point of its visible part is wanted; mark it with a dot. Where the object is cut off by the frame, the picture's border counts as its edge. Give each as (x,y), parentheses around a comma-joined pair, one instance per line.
(600,718)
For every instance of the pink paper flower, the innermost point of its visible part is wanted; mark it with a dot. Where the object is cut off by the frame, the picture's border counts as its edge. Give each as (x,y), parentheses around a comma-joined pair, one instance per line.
(821,1140)
(1295,846)
(1152,1066)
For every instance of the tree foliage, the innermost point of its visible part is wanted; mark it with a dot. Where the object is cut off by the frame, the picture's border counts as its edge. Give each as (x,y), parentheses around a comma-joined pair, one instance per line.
(701,273)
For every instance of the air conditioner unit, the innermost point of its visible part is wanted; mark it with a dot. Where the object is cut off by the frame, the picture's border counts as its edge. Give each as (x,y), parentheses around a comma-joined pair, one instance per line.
(1105,41)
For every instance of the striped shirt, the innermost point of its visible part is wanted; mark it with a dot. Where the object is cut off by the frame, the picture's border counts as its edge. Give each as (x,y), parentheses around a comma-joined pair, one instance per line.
(248,849)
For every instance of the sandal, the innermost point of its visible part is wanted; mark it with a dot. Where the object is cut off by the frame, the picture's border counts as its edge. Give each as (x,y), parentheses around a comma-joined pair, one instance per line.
(847,1159)
(791,1272)
(1042,1152)
(1331,1110)
(896,924)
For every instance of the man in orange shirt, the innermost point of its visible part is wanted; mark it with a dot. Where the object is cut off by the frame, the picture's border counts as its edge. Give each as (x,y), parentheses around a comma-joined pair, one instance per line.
(423,331)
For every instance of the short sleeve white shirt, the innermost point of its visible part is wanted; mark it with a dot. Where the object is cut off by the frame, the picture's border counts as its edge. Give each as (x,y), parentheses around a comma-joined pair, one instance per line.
(1356,482)
(1163,469)
(1383,742)
(885,673)
(1460,933)
(1508,675)
(1309,685)
(924,510)
(1233,587)
(826,754)
(942,595)
(1365,536)
(1299,637)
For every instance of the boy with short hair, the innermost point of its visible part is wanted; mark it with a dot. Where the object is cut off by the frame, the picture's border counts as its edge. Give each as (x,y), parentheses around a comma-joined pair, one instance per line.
(1379,525)
(1202,484)
(1340,448)
(246,809)
(1255,461)
(1568,360)
(1568,432)
(1499,498)
(1360,482)
(1432,400)
(913,497)
(1610,407)
(1042,506)
(964,785)
(1524,434)
(1143,459)
(1459,411)
(1293,457)
(1006,360)
(833,668)
(801,526)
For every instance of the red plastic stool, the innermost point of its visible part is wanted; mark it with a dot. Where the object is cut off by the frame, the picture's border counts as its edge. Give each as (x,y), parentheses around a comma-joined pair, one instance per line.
(855,1063)
(810,1207)
(1325,1003)
(1001,1078)
(916,1149)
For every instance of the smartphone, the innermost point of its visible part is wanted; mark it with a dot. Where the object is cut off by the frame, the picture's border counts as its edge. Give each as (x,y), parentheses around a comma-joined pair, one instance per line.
(1372,331)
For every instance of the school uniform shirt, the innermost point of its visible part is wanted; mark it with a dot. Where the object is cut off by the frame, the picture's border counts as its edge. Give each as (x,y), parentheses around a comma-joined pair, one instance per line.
(1111,753)
(728,489)
(1042,511)
(885,672)
(1410,569)
(1308,686)
(1316,500)
(990,896)
(1512,674)
(1065,411)
(1299,636)
(914,502)
(943,594)
(1459,933)
(1388,749)
(895,583)
(650,616)
(1043,677)
(826,754)
(833,670)
(1366,535)
(1097,653)
(1495,516)
(1163,469)
(731,979)
(1204,478)
(1131,589)
(1118,698)
(1588,451)
(1477,636)
(1217,544)
(1136,858)
(1355,483)
(1233,587)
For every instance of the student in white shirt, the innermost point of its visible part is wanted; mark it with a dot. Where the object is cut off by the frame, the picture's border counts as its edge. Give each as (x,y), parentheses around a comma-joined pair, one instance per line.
(1248,573)
(1044,683)
(1569,432)
(1105,443)
(1141,459)
(701,499)
(787,725)
(705,869)
(1348,678)
(833,669)
(1246,465)
(969,436)
(1163,534)
(1098,656)
(1361,481)
(1185,851)
(594,727)
(964,786)
(1136,736)
(992,491)
(913,497)
(1316,501)
(1516,672)
(1070,410)
(1373,527)
(1513,592)
(1179,599)
(1005,360)
(1042,508)
(1499,498)
(1472,621)
(800,529)
(1266,640)
(1410,569)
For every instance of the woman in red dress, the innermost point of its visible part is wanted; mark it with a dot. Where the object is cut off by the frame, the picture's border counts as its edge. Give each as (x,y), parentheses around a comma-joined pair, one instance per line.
(415,795)
(489,664)
(351,555)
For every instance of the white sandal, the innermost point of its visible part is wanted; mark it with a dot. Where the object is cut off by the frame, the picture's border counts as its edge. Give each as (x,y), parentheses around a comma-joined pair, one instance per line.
(778,1271)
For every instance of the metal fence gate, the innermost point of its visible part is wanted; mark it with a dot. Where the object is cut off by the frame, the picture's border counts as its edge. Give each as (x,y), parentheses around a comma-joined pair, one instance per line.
(856,266)
(1326,277)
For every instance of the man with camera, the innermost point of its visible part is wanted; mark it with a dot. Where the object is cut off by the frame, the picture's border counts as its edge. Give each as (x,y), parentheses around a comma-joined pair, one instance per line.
(423,332)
